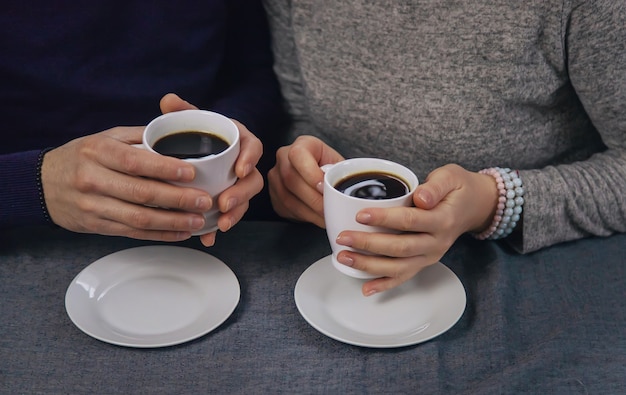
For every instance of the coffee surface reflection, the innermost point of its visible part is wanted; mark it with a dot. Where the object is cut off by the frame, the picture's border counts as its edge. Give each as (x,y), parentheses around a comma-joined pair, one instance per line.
(373,186)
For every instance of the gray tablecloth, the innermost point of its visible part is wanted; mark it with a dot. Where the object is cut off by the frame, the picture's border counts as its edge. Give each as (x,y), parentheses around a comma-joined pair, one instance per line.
(550,322)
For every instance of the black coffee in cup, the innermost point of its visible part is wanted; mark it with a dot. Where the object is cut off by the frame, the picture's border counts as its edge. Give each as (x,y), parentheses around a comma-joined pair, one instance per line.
(373,185)
(190,144)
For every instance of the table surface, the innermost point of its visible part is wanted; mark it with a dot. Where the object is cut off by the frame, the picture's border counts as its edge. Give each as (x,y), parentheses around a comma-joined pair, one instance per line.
(549,322)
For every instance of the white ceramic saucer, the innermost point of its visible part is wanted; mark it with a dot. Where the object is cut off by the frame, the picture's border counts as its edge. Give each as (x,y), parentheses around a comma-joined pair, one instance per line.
(152,296)
(416,311)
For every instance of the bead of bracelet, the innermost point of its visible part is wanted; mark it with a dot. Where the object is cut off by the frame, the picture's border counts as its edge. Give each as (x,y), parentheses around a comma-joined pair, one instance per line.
(514,203)
(510,203)
(497,218)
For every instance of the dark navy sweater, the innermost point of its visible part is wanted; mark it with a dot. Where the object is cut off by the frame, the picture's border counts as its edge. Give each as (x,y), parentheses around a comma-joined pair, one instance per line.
(68,69)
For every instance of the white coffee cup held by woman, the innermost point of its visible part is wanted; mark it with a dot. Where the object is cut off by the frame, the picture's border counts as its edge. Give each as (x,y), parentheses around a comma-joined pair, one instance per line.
(367,182)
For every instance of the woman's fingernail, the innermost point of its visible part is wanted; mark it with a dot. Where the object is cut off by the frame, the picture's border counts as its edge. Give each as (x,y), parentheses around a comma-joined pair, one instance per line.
(320,187)
(370,292)
(425,197)
(363,218)
(344,240)
(345,260)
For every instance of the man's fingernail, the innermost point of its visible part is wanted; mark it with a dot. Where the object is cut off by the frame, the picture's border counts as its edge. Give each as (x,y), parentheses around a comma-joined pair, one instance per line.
(183,235)
(229,224)
(247,169)
(210,242)
(231,203)
(185,173)
(197,222)
(203,203)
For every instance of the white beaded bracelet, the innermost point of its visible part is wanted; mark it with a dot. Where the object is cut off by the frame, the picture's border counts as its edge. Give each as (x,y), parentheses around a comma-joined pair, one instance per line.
(510,202)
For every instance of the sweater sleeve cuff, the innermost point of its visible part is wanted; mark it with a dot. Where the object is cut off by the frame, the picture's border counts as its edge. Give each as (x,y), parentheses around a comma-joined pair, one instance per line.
(20,201)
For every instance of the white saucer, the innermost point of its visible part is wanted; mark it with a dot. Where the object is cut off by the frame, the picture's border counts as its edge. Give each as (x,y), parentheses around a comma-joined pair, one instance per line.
(416,311)
(152,296)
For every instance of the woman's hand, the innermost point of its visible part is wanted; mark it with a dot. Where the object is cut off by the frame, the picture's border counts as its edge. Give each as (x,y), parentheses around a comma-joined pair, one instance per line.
(450,202)
(296,181)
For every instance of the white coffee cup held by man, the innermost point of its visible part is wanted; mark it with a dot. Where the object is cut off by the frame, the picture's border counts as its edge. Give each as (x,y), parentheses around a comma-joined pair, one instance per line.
(208,140)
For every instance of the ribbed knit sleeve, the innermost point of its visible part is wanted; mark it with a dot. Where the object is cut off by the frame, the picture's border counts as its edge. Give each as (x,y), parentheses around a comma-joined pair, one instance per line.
(19,200)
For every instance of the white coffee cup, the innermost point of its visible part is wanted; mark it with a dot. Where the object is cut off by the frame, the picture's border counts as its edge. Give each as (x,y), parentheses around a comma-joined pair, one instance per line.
(340,209)
(215,172)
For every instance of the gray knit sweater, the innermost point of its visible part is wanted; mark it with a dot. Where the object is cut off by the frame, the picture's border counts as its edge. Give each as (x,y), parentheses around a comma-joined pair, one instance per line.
(535,85)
